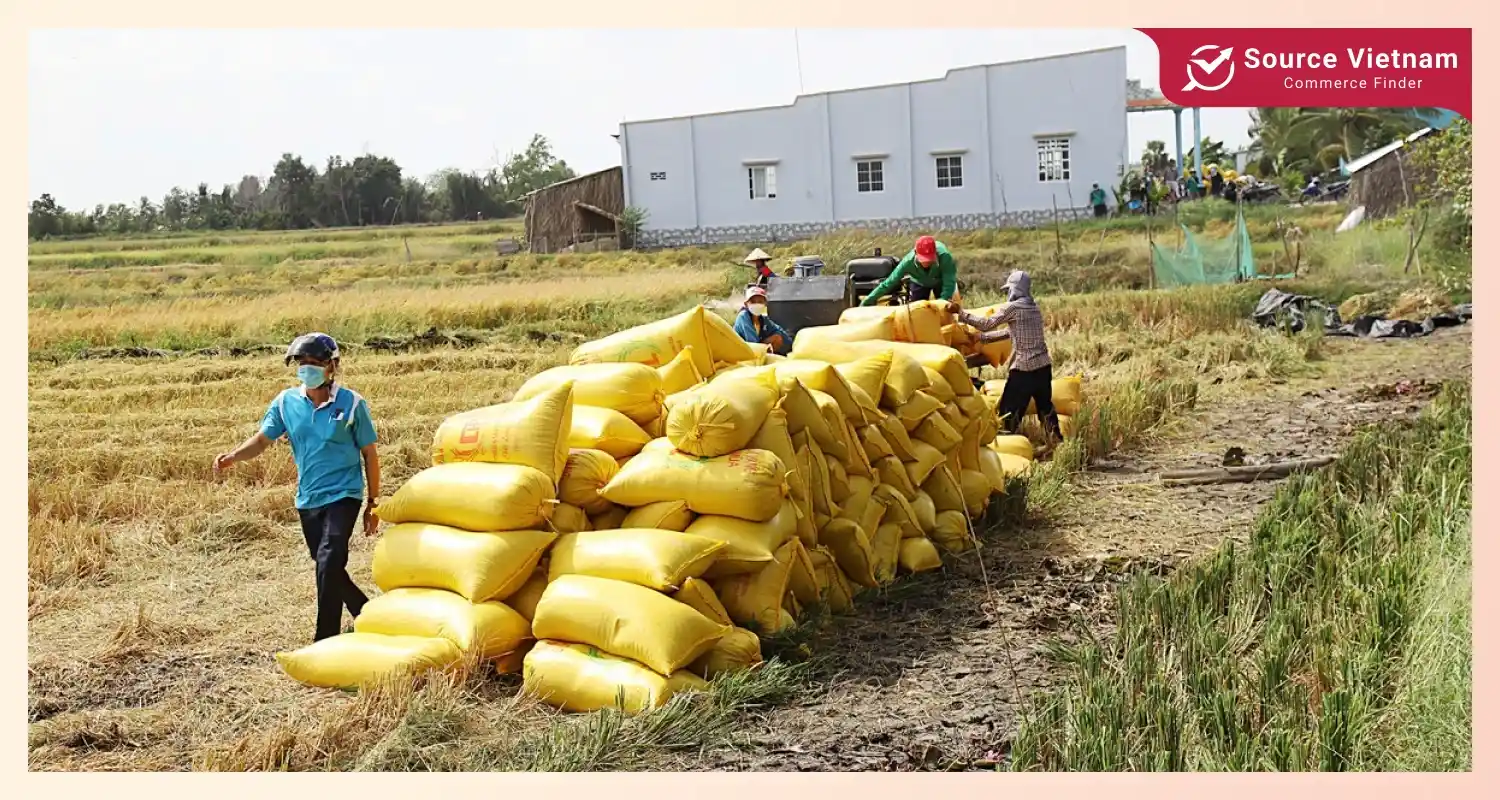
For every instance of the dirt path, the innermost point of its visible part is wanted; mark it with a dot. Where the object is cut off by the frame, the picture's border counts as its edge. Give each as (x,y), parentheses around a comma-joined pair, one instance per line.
(929,675)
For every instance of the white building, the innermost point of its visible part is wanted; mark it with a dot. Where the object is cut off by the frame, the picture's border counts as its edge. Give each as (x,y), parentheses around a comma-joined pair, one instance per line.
(985,146)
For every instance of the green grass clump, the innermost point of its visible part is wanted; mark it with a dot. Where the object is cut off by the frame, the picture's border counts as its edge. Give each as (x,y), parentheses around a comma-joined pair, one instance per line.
(1338,639)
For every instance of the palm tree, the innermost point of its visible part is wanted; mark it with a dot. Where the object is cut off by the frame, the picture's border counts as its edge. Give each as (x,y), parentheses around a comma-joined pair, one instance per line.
(1352,132)
(1279,136)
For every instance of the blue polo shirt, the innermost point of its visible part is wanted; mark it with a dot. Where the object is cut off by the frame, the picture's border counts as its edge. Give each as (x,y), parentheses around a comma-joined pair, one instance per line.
(326,441)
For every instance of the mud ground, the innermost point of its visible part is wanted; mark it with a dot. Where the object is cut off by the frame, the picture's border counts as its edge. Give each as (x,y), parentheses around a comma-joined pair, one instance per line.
(929,676)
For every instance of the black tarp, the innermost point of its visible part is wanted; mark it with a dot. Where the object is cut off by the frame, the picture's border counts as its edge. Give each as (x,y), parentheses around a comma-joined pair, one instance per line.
(1278,309)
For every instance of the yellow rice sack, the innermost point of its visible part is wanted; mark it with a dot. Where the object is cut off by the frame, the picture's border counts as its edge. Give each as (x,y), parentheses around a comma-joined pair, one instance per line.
(803,413)
(925,512)
(655,344)
(855,331)
(815,469)
(1065,426)
(838,482)
(897,438)
(944,489)
(954,416)
(833,584)
(576,677)
(568,519)
(838,430)
(952,532)
(738,651)
(1067,395)
(857,465)
(922,321)
(478,566)
(937,385)
(852,550)
(700,596)
(898,511)
(353,660)
(919,555)
(724,344)
(868,373)
(893,473)
(634,390)
(667,515)
(915,410)
(802,577)
(992,469)
(473,496)
(607,430)
(533,433)
(613,519)
(775,436)
(679,374)
(524,600)
(655,559)
(874,444)
(928,458)
(721,417)
(820,376)
(1014,466)
(749,484)
(976,490)
(490,629)
(954,463)
(747,546)
(905,378)
(937,356)
(626,620)
(886,549)
(754,600)
(584,474)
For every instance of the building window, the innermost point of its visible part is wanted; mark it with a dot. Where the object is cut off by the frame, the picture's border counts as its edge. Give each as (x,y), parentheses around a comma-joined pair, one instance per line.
(1054,160)
(870,175)
(950,172)
(762,182)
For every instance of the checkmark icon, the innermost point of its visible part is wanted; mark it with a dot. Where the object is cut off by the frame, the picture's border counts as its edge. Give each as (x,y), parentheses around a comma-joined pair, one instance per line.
(1209,67)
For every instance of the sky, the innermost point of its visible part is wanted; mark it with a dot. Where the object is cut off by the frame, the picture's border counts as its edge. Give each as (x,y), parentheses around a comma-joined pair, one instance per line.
(114,115)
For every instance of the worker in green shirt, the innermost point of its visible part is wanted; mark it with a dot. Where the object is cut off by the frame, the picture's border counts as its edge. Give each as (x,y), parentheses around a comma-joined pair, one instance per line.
(931,269)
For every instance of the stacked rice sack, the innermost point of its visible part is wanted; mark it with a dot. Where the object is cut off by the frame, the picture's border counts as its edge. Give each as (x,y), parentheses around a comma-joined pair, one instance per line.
(466,536)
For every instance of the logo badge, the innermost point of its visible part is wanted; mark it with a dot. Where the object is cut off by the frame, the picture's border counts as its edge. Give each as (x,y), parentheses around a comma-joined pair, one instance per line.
(1207,67)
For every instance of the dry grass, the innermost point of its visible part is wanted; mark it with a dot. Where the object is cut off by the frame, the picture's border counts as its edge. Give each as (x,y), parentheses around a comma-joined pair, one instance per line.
(157,595)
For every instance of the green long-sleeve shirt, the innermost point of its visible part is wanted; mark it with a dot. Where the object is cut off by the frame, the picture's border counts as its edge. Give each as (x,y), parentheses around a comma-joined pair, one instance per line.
(942,277)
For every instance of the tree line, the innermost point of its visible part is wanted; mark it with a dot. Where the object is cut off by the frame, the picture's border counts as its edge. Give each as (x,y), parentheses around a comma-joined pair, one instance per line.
(366,190)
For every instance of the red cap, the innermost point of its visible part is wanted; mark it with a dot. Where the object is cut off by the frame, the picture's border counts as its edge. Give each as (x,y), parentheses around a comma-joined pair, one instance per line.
(927,248)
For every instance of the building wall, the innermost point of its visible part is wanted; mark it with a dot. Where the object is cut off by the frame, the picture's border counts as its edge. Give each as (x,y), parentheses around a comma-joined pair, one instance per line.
(990,116)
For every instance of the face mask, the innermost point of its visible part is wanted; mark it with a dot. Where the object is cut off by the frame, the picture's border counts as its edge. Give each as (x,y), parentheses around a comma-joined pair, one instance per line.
(312,377)
(757,309)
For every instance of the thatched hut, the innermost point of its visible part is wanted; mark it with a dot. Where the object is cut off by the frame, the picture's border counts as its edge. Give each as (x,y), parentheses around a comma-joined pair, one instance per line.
(1385,181)
(581,213)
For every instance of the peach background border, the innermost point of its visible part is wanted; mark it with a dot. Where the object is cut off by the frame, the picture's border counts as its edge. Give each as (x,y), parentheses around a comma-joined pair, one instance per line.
(20,15)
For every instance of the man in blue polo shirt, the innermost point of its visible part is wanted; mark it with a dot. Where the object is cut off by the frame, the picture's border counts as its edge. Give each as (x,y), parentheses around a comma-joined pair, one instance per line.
(330,431)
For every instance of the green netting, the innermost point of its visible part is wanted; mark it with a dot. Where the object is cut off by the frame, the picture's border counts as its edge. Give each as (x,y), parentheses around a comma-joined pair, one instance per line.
(1200,261)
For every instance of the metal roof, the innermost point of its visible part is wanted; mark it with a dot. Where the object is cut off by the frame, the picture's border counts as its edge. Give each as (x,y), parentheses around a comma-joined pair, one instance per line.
(1375,155)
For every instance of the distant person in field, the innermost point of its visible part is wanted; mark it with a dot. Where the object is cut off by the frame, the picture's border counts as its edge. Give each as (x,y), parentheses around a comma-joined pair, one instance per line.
(755,326)
(331,433)
(931,270)
(1029,374)
(760,261)
(1096,199)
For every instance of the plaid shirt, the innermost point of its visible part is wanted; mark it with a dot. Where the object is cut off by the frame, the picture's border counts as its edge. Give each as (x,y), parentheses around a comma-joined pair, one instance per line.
(1023,323)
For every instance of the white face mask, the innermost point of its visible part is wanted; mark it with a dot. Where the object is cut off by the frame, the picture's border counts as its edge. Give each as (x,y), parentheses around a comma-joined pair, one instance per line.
(758,309)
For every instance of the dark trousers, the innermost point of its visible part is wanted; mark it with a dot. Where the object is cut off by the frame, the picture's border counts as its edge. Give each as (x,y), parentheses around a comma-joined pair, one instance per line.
(327,530)
(916,292)
(1101,210)
(1023,387)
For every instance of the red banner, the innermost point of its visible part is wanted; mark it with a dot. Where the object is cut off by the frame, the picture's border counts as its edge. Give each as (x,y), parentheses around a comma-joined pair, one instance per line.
(1317,67)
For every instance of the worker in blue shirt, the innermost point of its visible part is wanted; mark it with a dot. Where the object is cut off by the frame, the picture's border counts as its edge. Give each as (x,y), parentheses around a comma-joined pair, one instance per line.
(330,430)
(754,326)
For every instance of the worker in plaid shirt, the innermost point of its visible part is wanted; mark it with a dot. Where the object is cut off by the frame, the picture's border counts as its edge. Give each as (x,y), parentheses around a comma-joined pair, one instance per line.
(1030,376)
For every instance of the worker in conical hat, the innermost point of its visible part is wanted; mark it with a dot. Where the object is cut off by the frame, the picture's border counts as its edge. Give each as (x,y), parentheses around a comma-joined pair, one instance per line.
(761,260)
